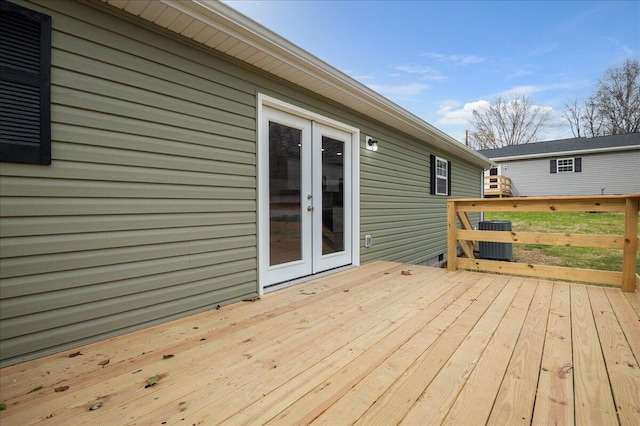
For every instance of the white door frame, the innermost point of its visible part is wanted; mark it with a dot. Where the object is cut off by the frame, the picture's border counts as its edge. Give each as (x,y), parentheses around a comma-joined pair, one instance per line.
(263,180)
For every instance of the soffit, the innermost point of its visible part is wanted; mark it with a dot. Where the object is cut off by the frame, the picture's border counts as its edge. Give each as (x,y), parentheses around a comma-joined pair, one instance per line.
(220,27)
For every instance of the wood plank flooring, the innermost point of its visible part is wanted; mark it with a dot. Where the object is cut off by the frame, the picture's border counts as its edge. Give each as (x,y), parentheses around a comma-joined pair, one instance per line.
(383,344)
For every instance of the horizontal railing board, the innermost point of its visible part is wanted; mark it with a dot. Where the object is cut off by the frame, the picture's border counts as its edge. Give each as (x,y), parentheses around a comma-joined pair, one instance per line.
(531,205)
(543,271)
(555,239)
(628,204)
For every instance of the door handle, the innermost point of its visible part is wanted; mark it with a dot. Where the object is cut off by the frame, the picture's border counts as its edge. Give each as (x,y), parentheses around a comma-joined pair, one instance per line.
(310,208)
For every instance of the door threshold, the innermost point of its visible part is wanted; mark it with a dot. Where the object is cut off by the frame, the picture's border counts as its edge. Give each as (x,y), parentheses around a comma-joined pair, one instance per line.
(283,285)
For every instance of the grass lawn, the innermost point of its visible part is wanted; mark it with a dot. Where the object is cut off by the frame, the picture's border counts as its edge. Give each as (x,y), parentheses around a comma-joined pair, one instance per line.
(574,223)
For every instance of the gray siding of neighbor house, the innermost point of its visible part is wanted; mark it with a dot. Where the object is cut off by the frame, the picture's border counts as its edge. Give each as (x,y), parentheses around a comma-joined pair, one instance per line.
(616,172)
(148,211)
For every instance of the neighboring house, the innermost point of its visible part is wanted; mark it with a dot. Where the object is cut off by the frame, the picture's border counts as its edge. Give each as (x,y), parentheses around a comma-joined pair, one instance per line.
(164,158)
(578,166)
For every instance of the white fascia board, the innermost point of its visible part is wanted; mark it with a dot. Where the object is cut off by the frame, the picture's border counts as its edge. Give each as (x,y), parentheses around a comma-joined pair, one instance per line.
(284,50)
(566,153)
(224,18)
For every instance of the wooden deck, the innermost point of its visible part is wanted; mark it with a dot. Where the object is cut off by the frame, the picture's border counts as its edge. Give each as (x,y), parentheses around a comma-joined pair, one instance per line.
(497,186)
(372,345)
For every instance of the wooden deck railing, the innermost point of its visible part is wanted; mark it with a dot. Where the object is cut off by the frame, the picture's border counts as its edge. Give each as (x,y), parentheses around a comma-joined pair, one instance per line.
(497,186)
(466,235)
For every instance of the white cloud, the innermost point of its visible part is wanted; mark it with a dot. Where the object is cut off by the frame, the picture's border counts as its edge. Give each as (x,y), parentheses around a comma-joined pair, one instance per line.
(459,117)
(402,90)
(533,88)
(520,73)
(628,51)
(454,120)
(525,89)
(456,59)
(425,73)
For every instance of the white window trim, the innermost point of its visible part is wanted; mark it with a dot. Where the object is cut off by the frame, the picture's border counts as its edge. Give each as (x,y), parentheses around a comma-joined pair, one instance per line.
(445,178)
(572,165)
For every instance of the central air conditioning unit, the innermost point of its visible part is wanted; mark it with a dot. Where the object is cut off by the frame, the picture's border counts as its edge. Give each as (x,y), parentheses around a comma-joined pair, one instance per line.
(495,251)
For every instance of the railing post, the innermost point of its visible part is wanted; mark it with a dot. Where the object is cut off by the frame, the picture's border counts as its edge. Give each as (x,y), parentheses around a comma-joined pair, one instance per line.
(630,244)
(452,241)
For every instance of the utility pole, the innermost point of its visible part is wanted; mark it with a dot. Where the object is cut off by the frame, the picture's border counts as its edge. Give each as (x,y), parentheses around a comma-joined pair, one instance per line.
(466,137)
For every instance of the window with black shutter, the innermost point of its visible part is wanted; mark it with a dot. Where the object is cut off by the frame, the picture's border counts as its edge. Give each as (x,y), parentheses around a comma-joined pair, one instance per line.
(25,76)
(566,165)
(440,176)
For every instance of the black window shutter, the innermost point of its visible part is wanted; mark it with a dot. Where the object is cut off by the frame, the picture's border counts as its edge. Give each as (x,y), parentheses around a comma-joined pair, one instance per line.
(449,178)
(432,183)
(577,164)
(553,166)
(25,76)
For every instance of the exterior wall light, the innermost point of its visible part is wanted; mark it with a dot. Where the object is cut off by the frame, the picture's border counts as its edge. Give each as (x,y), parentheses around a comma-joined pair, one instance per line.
(370,144)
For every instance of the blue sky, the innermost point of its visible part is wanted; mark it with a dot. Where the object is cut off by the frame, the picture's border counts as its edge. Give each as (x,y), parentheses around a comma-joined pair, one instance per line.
(441,59)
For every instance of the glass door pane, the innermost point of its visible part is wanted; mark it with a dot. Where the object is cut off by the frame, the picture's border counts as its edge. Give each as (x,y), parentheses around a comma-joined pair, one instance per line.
(332,198)
(332,195)
(285,203)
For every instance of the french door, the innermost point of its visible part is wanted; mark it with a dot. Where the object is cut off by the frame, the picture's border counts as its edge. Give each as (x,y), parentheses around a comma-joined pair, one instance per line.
(307,222)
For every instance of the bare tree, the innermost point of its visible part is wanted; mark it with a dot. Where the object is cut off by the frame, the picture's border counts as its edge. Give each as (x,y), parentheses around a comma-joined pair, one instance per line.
(618,98)
(573,114)
(592,119)
(584,118)
(614,108)
(511,120)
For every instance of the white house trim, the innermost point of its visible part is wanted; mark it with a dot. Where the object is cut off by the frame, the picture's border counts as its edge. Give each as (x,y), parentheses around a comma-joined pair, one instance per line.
(238,36)
(560,154)
(264,100)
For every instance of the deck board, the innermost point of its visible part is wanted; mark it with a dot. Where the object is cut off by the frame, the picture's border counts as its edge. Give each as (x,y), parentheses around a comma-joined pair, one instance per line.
(366,346)
(437,398)
(514,403)
(593,397)
(554,399)
(472,406)
(622,366)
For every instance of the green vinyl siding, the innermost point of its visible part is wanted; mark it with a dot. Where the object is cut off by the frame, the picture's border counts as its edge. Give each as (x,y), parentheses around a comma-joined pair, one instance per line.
(148,210)
(406,223)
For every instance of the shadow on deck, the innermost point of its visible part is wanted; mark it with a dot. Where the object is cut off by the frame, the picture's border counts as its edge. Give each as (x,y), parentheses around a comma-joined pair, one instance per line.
(381,344)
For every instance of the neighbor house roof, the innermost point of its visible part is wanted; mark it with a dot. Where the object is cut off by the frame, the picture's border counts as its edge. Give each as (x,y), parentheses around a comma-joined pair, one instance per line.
(572,146)
(222,28)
